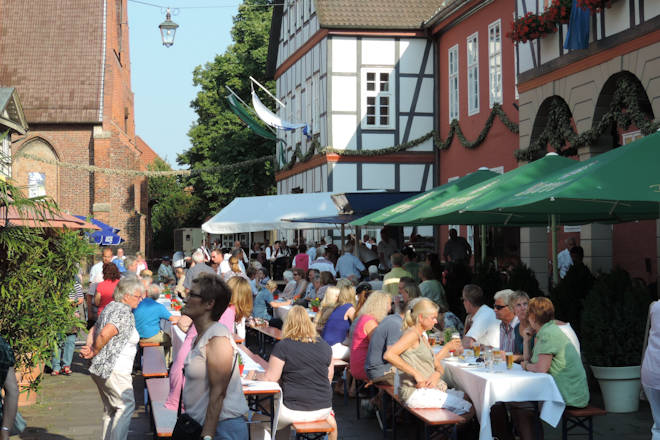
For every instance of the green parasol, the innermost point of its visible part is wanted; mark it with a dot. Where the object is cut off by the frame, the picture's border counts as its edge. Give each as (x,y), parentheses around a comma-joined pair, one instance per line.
(453,210)
(434,195)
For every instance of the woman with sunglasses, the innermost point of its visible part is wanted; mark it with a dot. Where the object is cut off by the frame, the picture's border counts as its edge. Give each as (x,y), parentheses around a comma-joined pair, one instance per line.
(213,395)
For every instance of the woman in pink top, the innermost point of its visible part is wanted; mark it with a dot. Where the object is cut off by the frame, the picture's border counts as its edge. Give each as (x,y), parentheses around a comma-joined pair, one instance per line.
(376,307)
(301,260)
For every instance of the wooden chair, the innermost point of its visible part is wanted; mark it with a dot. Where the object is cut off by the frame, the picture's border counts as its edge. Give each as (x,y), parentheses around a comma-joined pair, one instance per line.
(580,418)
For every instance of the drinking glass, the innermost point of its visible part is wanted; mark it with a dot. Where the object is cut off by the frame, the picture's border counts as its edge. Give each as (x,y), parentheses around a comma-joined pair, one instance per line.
(477,349)
(509,360)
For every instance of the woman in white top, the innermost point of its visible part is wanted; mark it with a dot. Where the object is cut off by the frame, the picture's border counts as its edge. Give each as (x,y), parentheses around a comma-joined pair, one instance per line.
(651,369)
(213,395)
(112,344)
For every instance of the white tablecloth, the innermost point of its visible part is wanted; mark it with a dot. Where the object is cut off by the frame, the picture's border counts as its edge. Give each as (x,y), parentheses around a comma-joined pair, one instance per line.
(176,335)
(487,387)
(282,311)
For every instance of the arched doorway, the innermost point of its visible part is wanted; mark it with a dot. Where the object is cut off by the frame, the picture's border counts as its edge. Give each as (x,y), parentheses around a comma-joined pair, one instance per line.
(37,177)
(552,125)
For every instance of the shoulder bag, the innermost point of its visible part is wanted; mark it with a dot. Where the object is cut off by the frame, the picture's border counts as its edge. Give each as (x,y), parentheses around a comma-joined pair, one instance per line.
(186,427)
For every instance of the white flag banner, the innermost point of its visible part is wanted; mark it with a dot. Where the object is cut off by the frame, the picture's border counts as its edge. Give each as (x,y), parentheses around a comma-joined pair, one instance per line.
(271,118)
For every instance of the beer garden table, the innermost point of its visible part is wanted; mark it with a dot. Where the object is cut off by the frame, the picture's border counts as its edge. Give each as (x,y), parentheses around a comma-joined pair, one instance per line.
(485,387)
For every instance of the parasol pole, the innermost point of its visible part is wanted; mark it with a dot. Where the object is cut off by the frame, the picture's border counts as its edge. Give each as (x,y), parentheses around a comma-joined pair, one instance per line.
(553,229)
(482,237)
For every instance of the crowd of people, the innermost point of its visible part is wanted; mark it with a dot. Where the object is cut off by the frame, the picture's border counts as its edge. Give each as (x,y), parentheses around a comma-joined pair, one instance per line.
(376,315)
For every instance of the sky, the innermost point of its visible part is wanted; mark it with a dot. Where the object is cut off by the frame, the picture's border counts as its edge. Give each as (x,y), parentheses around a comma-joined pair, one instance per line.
(161,77)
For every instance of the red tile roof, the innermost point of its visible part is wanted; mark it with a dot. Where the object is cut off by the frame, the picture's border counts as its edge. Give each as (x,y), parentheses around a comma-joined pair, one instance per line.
(147,155)
(51,51)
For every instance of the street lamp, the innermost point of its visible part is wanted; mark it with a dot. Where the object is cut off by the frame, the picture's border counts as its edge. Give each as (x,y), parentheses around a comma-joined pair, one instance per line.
(168,29)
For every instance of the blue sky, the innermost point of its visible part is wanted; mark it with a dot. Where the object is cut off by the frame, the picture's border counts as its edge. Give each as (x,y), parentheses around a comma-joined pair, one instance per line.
(162,77)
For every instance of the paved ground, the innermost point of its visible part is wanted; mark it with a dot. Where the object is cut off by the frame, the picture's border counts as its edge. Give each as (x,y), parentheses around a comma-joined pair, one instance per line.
(69,408)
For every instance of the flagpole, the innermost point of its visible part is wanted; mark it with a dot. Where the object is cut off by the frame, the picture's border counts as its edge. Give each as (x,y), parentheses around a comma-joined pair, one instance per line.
(267,91)
(248,107)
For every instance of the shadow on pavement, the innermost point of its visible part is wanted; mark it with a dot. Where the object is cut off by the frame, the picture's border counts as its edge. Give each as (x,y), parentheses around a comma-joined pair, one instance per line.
(35,433)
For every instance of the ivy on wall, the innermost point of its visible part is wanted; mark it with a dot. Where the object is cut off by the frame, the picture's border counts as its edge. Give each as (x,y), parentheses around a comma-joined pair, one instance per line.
(454,131)
(624,111)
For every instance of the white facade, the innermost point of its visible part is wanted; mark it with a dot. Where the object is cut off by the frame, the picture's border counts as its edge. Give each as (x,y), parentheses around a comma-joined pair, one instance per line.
(356,93)
(623,15)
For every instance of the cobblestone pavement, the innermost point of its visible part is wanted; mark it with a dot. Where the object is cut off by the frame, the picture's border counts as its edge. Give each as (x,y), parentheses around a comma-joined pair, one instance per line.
(69,408)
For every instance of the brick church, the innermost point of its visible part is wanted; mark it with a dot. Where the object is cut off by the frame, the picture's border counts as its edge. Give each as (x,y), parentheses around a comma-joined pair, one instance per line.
(69,63)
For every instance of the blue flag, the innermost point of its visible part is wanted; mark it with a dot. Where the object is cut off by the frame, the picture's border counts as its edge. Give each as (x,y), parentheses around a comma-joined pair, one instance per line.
(577,36)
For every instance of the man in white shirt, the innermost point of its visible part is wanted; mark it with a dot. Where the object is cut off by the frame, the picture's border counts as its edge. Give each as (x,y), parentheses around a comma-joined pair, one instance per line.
(311,251)
(564,260)
(322,264)
(508,320)
(485,326)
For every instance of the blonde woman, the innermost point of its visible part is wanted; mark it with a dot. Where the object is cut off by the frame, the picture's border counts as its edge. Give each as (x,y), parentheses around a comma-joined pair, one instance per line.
(234,270)
(240,306)
(375,308)
(339,322)
(302,363)
(413,356)
(328,304)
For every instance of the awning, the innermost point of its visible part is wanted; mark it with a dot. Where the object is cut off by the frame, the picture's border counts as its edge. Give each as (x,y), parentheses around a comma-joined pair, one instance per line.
(105,236)
(354,205)
(42,220)
(265,213)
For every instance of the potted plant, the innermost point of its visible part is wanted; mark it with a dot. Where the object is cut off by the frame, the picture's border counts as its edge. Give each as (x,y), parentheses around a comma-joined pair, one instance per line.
(37,269)
(613,325)
(314,304)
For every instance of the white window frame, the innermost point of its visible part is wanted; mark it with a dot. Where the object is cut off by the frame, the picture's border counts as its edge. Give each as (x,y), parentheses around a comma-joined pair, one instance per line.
(390,93)
(5,157)
(472,73)
(495,64)
(631,136)
(316,105)
(454,87)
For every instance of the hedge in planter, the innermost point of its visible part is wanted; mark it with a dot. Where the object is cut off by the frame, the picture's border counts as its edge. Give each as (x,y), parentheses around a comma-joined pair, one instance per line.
(37,269)
(613,321)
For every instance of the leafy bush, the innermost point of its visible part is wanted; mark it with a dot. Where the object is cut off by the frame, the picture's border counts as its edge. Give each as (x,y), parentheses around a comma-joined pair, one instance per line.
(614,320)
(37,269)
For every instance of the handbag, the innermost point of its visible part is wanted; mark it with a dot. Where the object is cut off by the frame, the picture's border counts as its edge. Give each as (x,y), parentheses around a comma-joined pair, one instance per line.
(186,427)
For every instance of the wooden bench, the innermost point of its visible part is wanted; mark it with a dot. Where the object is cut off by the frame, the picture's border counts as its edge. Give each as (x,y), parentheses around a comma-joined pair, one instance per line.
(153,362)
(162,419)
(264,332)
(432,419)
(315,430)
(575,418)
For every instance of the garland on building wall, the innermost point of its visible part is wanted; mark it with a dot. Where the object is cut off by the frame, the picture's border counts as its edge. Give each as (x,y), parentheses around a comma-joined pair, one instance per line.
(454,131)
(532,26)
(558,132)
(139,173)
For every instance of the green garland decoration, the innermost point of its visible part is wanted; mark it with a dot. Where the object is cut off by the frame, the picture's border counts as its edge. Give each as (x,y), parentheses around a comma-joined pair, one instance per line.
(558,132)
(454,131)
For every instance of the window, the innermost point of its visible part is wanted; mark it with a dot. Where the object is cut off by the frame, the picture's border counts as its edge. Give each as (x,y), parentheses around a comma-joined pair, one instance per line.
(473,73)
(495,62)
(453,83)
(378,94)
(631,136)
(5,157)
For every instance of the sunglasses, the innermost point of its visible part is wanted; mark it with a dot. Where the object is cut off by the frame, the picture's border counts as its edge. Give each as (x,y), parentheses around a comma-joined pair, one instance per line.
(497,307)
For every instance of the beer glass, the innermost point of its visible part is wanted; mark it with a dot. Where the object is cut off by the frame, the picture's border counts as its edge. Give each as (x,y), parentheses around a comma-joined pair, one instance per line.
(509,360)
(477,349)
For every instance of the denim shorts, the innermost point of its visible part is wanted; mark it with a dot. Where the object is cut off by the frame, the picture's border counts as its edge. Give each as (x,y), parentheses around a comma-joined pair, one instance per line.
(231,429)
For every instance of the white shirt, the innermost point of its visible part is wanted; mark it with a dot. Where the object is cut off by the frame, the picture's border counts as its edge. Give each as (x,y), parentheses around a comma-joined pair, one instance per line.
(224,266)
(564,262)
(485,327)
(570,334)
(124,364)
(312,253)
(651,363)
(95,277)
(323,265)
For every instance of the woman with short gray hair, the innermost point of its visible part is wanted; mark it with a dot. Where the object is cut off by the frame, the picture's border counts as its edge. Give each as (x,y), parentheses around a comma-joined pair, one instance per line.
(112,344)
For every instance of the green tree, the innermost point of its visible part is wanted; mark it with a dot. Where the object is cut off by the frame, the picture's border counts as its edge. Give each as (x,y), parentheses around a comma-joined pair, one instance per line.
(174,206)
(218,137)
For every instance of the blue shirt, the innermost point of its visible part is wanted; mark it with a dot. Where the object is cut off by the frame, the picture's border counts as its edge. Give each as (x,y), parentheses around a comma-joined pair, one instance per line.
(147,317)
(336,328)
(349,264)
(120,264)
(261,304)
